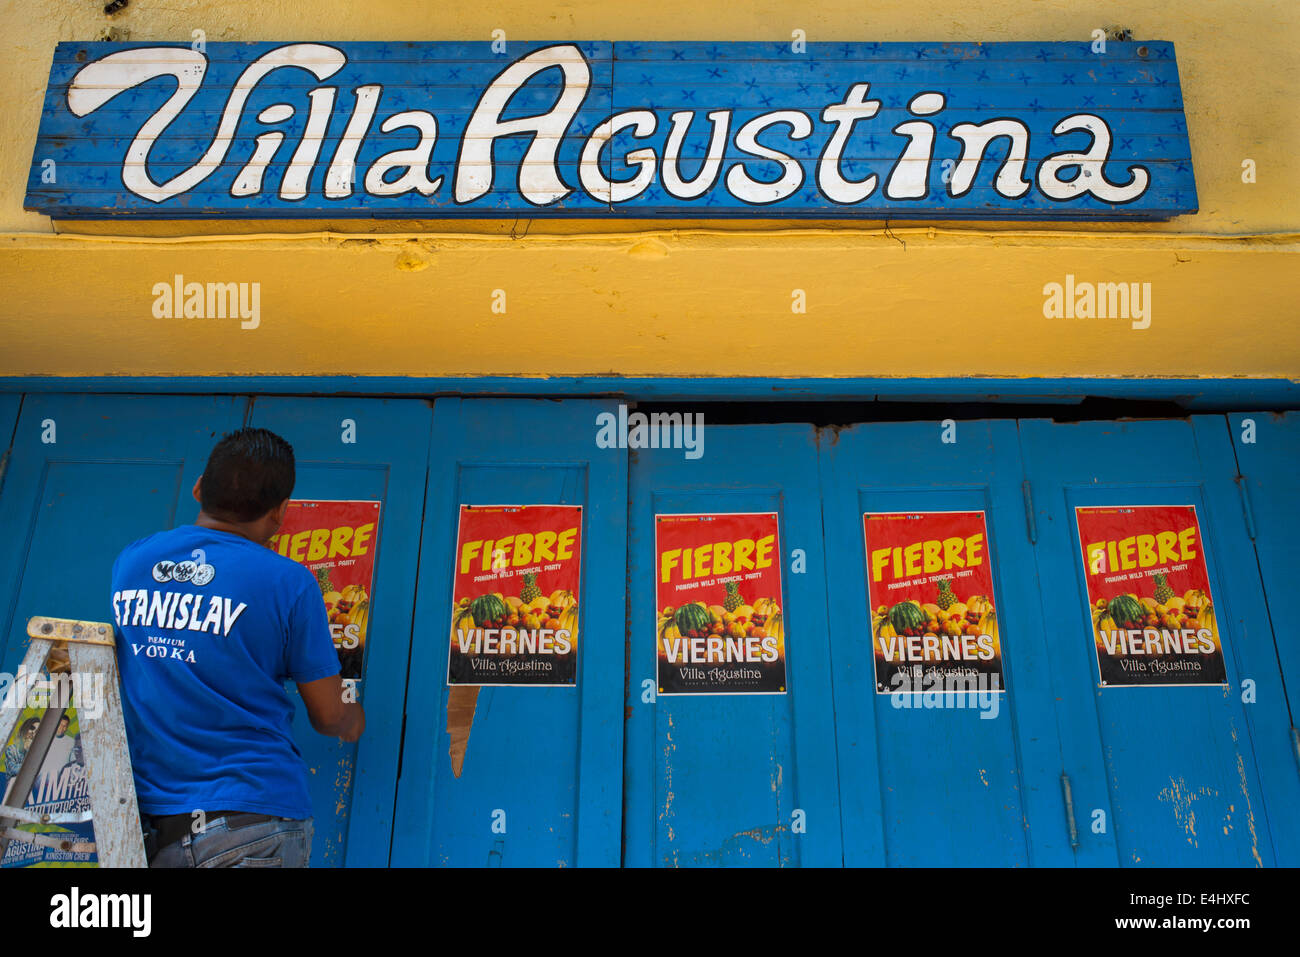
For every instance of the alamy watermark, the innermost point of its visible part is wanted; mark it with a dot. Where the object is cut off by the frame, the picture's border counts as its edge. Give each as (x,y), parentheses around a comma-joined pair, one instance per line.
(1101,300)
(179,299)
(921,687)
(36,689)
(658,430)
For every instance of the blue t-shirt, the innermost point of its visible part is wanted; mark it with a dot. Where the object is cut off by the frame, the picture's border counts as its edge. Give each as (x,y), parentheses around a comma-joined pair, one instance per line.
(205,642)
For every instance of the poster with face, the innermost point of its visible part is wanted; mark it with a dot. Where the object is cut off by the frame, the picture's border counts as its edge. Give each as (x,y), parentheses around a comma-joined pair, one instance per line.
(60,787)
(720,628)
(1152,615)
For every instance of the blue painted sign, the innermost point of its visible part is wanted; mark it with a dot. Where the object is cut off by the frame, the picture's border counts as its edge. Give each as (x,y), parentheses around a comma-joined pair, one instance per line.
(705,130)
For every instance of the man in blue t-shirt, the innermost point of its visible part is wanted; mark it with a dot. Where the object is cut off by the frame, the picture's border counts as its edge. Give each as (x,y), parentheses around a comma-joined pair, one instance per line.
(210,622)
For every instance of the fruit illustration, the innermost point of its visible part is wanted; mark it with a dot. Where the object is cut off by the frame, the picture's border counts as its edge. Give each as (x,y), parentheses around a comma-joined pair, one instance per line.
(946,597)
(1194,600)
(1207,619)
(1163,591)
(693,621)
(1126,610)
(361,617)
(323,579)
(562,598)
(668,633)
(989,626)
(490,610)
(979,604)
(766,607)
(907,618)
(733,599)
(530,591)
(331,602)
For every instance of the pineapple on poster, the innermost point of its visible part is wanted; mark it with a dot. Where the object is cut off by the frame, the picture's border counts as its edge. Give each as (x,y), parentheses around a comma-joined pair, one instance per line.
(337,541)
(934,625)
(514,616)
(1152,618)
(719,628)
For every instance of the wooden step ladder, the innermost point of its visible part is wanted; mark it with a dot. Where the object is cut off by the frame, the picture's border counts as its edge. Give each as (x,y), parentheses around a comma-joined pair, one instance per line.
(60,646)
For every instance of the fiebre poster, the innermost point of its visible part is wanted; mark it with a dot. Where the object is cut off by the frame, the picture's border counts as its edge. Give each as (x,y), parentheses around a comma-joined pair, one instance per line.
(720,628)
(61,787)
(514,617)
(337,541)
(1152,615)
(934,625)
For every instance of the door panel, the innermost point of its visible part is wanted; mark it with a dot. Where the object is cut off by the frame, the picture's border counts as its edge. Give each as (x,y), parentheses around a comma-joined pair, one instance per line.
(975,782)
(88,475)
(736,779)
(1270,467)
(1175,769)
(353,785)
(1271,489)
(540,779)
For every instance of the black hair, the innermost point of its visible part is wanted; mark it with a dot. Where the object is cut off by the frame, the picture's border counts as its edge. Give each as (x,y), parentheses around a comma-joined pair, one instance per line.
(249,472)
(30,723)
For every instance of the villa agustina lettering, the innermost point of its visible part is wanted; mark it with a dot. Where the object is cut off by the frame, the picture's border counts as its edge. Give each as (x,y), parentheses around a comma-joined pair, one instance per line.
(294,129)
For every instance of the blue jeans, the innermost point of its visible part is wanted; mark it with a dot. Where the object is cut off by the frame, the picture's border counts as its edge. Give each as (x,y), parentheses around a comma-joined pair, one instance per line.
(279,842)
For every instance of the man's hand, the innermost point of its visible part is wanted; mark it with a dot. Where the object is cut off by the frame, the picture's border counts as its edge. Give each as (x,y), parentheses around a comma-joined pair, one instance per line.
(328,712)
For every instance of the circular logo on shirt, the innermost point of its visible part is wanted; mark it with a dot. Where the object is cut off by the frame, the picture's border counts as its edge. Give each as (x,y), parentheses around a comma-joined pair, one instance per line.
(184,571)
(203,574)
(162,572)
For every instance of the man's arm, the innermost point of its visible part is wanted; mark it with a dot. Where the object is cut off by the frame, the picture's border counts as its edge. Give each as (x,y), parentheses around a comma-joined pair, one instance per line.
(328,712)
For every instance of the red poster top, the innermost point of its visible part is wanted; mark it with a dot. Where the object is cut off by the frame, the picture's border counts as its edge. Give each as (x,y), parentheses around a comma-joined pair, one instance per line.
(502,543)
(1123,544)
(909,553)
(700,555)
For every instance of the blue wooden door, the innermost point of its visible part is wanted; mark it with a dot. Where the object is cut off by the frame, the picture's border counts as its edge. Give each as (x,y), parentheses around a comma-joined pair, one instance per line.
(952,779)
(537,780)
(1162,775)
(87,475)
(733,779)
(362,450)
(1268,458)
(1268,455)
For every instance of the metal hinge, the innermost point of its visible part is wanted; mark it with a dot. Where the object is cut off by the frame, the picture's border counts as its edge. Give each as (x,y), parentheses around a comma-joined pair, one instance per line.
(1069,809)
(1246,510)
(1030,527)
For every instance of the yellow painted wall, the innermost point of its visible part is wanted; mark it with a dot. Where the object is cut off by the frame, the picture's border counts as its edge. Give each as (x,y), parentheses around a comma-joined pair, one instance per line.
(675,298)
